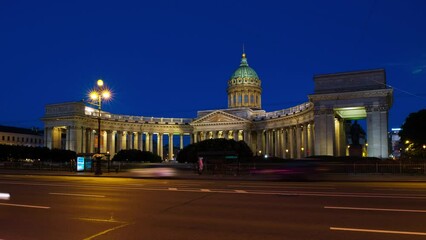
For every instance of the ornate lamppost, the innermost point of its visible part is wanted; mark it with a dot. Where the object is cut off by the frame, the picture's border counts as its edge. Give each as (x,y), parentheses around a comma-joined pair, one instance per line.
(98,94)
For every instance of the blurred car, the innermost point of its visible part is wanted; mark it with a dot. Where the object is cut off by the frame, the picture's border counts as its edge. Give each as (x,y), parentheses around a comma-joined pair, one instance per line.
(292,170)
(154,171)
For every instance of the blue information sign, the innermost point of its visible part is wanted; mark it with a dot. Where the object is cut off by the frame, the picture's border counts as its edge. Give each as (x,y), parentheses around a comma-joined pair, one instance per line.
(80,164)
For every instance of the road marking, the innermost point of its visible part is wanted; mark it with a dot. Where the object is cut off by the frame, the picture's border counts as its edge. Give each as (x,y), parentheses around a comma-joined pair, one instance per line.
(24,205)
(377,231)
(78,195)
(205,190)
(173,188)
(123,224)
(376,209)
(240,191)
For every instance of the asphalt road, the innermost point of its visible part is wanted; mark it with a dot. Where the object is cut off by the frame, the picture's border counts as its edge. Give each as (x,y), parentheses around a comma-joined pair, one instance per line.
(62,207)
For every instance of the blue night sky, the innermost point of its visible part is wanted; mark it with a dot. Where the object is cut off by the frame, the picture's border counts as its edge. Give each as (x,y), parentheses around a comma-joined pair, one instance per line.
(172,58)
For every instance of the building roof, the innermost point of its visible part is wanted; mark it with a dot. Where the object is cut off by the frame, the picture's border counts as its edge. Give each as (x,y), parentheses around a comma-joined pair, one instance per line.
(30,131)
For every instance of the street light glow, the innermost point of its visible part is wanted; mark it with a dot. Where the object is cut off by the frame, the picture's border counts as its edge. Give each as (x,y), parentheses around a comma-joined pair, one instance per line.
(93,95)
(100,83)
(106,94)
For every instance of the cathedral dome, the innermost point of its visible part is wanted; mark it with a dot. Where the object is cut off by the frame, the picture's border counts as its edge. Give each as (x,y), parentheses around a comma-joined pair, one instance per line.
(244,75)
(244,88)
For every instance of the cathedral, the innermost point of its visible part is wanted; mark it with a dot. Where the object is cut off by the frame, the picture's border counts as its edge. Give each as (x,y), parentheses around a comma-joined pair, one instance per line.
(316,127)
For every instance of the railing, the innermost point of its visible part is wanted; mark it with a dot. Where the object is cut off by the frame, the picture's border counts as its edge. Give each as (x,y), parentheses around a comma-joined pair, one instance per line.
(284,112)
(397,168)
(140,119)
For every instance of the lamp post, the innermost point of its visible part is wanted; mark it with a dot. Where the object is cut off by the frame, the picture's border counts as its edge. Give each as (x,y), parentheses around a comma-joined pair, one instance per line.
(97,95)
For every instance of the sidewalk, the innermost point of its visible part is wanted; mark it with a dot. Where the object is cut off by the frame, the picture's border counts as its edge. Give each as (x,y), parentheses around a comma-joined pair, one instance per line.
(333,177)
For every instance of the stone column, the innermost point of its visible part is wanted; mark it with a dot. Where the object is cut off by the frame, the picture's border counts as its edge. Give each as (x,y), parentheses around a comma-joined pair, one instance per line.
(92,141)
(71,138)
(170,146)
(78,136)
(268,142)
(324,132)
(82,139)
(277,142)
(109,146)
(140,141)
(284,143)
(147,142)
(129,140)
(309,140)
(305,140)
(291,141)
(263,144)
(181,141)
(377,126)
(192,138)
(235,135)
(298,141)
(119,141)
(151,143)
(135,144)
(160,145)
(48,137)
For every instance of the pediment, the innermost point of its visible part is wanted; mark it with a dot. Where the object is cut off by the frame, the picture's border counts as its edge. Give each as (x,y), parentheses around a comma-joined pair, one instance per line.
(219,117)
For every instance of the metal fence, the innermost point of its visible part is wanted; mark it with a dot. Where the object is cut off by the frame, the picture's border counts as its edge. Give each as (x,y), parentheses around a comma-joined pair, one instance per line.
(397,168)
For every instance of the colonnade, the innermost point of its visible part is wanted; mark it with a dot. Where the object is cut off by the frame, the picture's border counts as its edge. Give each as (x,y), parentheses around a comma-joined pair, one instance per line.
(295,141)
(84,140)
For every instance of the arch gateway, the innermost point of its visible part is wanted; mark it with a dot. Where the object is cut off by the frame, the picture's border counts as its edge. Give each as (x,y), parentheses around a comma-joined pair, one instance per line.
(312,128)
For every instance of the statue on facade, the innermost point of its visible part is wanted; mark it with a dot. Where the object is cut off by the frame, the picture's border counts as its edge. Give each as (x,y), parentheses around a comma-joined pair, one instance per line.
(356,132)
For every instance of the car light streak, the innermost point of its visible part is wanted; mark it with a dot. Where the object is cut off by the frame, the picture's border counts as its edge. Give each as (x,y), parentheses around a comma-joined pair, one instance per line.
(376,209)
(78,195)
(24,205)
(4,196)
(377,231)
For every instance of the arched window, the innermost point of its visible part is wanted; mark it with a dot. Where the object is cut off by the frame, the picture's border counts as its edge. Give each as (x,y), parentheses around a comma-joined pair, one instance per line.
(245,98)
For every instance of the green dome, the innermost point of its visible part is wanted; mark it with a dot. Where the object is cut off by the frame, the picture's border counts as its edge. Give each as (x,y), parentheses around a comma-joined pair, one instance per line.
(244,75)
(244,71)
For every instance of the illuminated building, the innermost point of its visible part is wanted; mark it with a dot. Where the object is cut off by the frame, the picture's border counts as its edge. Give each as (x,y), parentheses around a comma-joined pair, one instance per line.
(21,136)
(315,127)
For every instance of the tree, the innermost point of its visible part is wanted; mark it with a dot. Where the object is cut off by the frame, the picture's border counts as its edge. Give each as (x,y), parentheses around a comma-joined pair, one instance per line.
(413,134)
(220,145)
(133,155)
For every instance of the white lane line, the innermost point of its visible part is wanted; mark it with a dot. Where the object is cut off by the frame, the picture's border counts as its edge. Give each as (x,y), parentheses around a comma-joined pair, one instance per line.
(377,231)
(78,195)
(205,190)
(377,209)
(24,205)
(240,191)
(173,188)
(4,196)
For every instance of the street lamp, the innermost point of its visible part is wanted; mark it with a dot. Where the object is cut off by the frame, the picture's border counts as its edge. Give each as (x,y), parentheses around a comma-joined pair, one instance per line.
(98,94)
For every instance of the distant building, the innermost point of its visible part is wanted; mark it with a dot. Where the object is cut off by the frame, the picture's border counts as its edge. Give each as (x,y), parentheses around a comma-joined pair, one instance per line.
(21,136)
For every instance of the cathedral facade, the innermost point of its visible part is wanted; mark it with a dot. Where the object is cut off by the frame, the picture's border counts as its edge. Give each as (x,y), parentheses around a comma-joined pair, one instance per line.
(312,128)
